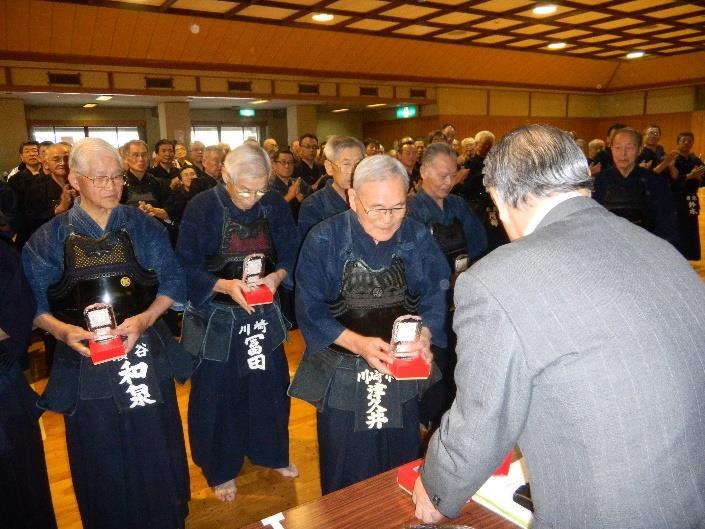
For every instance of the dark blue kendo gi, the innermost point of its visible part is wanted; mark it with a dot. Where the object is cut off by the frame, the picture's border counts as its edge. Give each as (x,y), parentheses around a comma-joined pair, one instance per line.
(25,500)
(685,198)
(462,239)
(343,274)
(322,204)
(238,405)
(123,429)
(642,197)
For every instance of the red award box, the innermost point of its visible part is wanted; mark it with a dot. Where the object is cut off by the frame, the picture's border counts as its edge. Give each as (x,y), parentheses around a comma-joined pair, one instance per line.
(407,474)
(106,350)
(415,368)
(259,295)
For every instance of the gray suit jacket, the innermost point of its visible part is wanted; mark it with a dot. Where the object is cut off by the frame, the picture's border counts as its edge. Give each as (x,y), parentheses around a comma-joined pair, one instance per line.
(584,343)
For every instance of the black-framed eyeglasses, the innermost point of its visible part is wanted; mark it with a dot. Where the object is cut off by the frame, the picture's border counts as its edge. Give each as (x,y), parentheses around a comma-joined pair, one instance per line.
(376,213)
(101,181)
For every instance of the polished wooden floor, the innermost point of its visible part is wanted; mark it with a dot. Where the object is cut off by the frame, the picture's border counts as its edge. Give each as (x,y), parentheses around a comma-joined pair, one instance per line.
(261,492)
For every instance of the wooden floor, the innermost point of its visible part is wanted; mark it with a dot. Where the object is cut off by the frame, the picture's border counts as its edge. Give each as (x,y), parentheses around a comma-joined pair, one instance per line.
(261,492)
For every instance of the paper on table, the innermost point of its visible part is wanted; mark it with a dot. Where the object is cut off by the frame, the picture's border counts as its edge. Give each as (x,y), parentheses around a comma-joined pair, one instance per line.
(498,492)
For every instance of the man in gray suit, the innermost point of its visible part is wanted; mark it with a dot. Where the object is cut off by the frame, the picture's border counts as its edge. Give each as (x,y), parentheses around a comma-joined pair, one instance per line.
(582,341)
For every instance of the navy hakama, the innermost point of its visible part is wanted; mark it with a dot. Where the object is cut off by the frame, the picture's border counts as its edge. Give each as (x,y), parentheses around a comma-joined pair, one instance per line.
(238,405)
(123,429)
(25,500)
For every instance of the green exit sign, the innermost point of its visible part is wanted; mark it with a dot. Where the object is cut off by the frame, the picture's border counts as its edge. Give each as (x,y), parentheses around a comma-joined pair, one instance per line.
(247,112)
(406,112)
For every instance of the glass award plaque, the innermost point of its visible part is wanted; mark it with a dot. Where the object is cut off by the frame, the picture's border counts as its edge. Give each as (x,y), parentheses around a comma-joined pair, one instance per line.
(252,274)
(408,364)
(105,346)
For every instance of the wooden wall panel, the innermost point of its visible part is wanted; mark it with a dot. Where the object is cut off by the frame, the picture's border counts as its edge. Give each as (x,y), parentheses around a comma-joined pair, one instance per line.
(668,100)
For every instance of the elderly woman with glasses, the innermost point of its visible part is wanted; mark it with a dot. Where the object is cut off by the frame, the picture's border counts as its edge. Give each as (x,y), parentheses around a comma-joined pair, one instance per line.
(123,430)
(371,265)
(238,405)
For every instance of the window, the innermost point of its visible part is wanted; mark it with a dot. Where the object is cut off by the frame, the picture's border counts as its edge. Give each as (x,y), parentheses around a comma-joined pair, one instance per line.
(232,135)
(115,136)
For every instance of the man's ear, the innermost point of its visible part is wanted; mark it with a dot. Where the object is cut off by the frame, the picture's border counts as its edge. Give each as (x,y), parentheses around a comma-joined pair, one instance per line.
(351,199)
(73,180)
(329,167)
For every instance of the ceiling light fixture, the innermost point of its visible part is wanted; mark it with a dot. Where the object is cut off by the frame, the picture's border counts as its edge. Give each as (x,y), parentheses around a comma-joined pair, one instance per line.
(556,45)
(322,17)
(259,101)
(544,9)
(635,54)
(376,105)
(337,110)
(90,105)
(103,98)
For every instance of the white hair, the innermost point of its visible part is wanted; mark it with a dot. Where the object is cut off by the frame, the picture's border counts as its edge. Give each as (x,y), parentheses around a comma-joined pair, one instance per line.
(378,168)
(86,149)
(247,161)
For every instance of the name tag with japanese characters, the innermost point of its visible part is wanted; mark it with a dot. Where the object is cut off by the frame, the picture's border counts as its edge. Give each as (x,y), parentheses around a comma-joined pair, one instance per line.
(377,401)
(133,381)
(256,344)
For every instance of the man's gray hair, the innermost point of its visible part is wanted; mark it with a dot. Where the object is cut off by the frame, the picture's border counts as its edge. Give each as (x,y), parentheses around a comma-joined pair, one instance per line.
(535,160)
(335,144)
(196,145)
(484,135)
(86,149)
(378,168)
(213,148)
(435,150)
(126,148)
(247,161)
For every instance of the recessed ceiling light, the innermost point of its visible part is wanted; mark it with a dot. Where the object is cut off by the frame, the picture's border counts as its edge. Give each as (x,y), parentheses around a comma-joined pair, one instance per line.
(375,105)
(322,17)
(260,101)
(340,110)
(103,98)
(635,54)
(556,45)
(544,9)
(90,105)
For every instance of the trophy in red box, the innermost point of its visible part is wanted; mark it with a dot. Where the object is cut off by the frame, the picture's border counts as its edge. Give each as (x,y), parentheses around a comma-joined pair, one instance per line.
(407,365)
(252,273)
(105,346)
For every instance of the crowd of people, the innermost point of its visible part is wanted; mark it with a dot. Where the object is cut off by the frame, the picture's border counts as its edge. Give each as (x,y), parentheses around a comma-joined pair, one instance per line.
(348,237)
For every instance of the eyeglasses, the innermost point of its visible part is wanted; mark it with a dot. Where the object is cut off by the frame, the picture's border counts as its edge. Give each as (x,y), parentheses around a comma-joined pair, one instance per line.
(246,193)
(101,181)
(347,165)
(138,155)
(309,146)
(59,159)
(376,213)
(287,162)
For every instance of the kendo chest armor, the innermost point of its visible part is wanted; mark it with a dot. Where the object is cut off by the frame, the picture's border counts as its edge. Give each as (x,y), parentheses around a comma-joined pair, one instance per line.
(237,242)
(101,270)
(451,240)
(370,300)
(629,202)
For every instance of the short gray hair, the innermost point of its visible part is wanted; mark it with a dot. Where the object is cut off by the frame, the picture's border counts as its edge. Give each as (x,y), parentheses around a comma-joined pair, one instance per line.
(335,144)
(435,150)
(378,168)
(483,136)
(535,160)
(247,161)
(86,149)
(196,145)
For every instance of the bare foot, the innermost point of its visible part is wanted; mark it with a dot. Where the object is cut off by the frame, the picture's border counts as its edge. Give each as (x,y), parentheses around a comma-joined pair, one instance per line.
(289,472)
(225,491)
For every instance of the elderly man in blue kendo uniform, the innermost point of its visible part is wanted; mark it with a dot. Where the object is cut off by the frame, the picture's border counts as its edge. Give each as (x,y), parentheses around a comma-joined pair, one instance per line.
(123,429)
(238,405)
(372,264)
(462,239)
